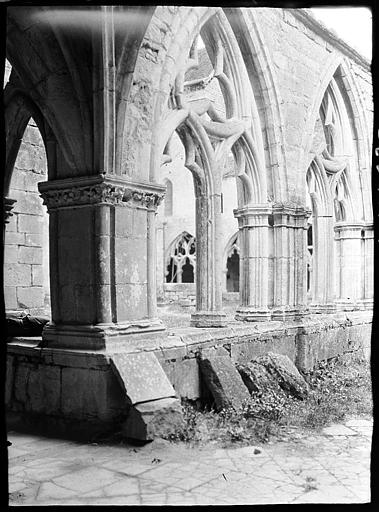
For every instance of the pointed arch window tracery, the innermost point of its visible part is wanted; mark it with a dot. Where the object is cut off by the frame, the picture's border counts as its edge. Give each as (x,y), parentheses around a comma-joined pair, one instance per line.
(181,261)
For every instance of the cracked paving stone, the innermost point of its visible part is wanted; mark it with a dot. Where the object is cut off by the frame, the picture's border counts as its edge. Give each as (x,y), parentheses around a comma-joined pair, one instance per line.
(338,430)
(130,468)
(16,486)
(86,479)
(337,465)
(52,491)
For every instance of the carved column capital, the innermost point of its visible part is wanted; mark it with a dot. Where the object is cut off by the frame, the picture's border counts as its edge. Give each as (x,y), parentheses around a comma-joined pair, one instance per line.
(99,189)
(291,215)
(8,205)
(142,198)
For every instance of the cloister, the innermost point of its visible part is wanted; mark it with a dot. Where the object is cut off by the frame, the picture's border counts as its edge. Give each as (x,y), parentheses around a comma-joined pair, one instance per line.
(178,155)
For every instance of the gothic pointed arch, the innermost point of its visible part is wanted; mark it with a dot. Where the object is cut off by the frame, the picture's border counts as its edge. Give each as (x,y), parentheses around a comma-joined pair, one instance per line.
(19,108)
(336,185)
(232,264)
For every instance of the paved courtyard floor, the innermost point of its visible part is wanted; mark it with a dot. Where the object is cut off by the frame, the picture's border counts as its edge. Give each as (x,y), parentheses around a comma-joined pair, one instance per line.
(331,466)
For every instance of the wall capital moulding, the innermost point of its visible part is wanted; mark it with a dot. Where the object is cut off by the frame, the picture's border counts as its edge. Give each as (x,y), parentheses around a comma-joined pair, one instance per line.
(100,189)
(8,205)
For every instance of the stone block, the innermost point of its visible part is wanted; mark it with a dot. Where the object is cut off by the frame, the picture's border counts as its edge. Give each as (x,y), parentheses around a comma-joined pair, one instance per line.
(77,303)
(124,218)
(184,375)
(17,274)
(33,136)
(149,420)
(12,224)
(141,376)
(282,369)
(131,261)
(33,240)
(318,344)
(30,223)
(31,158)
(84,393)
(222,379)
(34,389)
(131,302)
(17,181)
(30,255)
(28,202)
(10,297)
(14,238)
(76,260)
(21,378)
(257,378)
(245,351)
(31,182)
(11,254)
(44,390)
(30,297)
(37,275)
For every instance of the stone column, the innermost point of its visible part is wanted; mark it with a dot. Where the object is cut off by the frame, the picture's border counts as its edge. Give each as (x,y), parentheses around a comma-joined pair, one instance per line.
(253,225)
(102,260)
(290,247)
(323,284)
(367,266)
(161,260)
(208,263)
(351,278)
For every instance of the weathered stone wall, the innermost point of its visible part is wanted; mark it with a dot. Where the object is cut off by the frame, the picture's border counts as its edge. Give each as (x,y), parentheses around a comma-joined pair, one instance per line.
(180,293)
(79,389)
(304,61)
(26,252)
(79,392)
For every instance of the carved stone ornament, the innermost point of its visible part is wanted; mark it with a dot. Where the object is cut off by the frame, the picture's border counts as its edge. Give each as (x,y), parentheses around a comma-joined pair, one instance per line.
(7,208)
(83,195)
(99,190)
(142,198)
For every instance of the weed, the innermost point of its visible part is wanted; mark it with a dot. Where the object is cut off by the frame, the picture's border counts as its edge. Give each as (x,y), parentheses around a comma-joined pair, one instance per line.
(337,388)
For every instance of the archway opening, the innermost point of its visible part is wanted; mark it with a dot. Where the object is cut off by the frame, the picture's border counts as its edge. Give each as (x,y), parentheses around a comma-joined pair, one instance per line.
(26,239)
(233,272)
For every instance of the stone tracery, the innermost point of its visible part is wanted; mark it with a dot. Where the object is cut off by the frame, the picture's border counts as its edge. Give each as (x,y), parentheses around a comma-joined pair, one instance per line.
(105,152)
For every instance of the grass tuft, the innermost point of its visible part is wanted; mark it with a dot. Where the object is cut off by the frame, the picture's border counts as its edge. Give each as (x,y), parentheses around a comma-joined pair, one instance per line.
(338,388)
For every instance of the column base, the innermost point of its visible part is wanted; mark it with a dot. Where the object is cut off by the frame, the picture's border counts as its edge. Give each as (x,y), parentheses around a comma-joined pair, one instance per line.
(248,314)
(366,304)
(95,337)
(346,305)
(208,319)
(287,313)
(323,308)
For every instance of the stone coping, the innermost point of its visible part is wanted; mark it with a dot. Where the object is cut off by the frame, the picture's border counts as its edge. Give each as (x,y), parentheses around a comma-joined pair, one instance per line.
(185,342)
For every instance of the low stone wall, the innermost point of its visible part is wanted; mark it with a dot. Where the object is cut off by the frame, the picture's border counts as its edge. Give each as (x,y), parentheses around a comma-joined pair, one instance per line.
(62,390)
(182,293)
(78,391)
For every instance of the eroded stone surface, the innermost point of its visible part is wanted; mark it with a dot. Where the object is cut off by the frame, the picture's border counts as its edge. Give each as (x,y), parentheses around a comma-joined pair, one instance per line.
(153,419)
(222,379)
(257,378)
(141,376)
(273,372)
(286,373)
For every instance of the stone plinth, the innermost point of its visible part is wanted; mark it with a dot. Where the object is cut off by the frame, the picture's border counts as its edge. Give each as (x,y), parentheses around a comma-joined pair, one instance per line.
(102,247)
(208,319)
